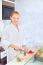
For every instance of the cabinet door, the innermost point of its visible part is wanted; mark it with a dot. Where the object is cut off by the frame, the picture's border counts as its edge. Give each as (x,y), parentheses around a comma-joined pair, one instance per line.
(6,10)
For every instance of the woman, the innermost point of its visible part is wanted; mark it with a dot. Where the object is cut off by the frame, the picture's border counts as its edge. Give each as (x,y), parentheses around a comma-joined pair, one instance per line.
(13,36)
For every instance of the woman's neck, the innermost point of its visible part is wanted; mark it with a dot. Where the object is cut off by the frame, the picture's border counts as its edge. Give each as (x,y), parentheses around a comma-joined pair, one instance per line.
(16,26)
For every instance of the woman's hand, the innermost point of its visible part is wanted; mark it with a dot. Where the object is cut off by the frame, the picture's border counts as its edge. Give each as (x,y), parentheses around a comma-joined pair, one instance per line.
(15,47)
(12,46)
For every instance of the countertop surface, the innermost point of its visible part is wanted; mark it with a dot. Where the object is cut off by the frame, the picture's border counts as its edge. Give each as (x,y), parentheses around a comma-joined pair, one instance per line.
(14,62)
(30,62)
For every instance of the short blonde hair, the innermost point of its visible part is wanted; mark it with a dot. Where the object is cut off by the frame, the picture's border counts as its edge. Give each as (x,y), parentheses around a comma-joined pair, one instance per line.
(14,12)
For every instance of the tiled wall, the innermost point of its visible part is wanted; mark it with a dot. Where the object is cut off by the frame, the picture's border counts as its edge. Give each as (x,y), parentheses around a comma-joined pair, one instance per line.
(31,18)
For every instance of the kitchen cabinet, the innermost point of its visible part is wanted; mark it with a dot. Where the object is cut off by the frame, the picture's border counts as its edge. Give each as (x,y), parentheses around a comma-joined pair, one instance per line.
(8,2)
(7,7)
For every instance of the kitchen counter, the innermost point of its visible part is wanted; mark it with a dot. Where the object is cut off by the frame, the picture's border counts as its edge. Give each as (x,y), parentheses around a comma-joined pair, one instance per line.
(24,63)
(34,63)
(31,62)
(15,63)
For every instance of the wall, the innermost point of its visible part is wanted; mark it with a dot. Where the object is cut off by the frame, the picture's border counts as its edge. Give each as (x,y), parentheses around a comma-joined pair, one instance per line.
(32,19)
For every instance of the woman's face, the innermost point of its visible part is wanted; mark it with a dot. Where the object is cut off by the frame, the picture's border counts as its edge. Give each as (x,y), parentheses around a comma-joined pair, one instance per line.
(15,18)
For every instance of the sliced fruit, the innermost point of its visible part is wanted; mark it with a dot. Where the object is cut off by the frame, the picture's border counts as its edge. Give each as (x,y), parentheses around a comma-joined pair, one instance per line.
(18,59)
